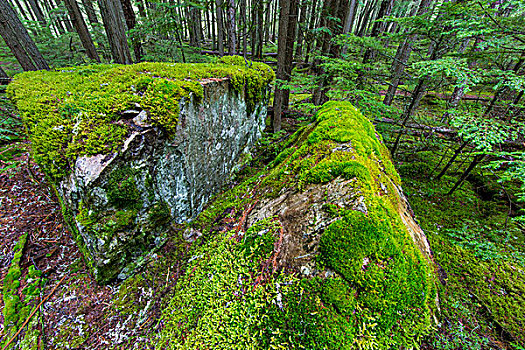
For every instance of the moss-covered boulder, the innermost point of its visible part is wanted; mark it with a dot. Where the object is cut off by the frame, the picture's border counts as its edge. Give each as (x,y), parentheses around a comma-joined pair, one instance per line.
(131,148)
(317,251)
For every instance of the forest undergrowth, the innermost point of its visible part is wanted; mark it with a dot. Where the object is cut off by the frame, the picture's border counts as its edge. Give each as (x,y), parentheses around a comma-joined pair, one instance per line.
(479,250)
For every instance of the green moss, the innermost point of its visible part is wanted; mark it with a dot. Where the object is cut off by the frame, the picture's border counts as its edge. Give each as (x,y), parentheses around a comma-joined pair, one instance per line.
(122,190)
(381,293)
(159,214)
(77,111)
(19,304)
(12,305)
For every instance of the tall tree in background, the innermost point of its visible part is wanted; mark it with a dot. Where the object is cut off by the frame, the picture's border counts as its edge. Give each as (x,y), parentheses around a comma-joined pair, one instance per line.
(287,26)
(113,18)
(90,11)
(220,26)
(82,29)
(131,22)
(402,55)
(18,40)
(232,28)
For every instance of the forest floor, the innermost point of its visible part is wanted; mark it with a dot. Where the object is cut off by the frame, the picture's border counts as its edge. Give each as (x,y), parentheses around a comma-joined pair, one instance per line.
(480,256)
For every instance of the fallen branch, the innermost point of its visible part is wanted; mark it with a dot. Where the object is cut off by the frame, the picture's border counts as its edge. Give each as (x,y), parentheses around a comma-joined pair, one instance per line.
(32,313)
(427,130)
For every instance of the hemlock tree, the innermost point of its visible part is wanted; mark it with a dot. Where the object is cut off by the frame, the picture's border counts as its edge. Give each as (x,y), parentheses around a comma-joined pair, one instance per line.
(82,29)
(113,18)
(18,40)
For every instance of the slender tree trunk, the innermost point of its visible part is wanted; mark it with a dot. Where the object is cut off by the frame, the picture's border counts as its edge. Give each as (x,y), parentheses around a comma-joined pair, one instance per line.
(212,27)
(401,58)
(477,159)
(142,9)
(282,49)
(243,31)
(267,23)
(131,22)
(90,11)
(417,95)
(231,27)
(82,29)
(378,27)
(274,22)
(220,27)
(290,40)
(38,12)
(18,40)
(22,11)
(113,18)
(301,29)
(64,18)
(363,23)
(452,160)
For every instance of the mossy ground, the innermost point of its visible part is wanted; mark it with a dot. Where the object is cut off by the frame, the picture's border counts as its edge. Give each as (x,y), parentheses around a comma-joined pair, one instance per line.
(482,261)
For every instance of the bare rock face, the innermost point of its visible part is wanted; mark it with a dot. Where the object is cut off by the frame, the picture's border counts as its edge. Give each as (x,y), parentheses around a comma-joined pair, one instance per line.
(120,203)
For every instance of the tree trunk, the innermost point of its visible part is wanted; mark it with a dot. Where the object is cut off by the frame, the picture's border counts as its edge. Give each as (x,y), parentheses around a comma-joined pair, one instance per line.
(90,11)
(131,22)
(22,11)
(231,27)
(282,47)
(18,40)
(417,95)
(290,40)
(220,27)
(378,27)
(477,159)
(301,29)
(113,18)
(451,160)
(401,58)
(363,23)
(38,12)
(267,21)
(82,29)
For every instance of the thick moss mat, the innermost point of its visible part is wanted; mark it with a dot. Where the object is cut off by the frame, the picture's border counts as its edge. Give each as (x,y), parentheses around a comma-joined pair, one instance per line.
(81,110)
(373,288)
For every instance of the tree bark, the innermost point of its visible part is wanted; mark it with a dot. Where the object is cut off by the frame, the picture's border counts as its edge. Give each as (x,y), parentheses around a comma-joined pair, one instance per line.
(290,40)
(18,40)
(301,29)
(220,27)
(477,159)
(38,12)
(231,27)
(131,22)
(112,16)
(90,11)
(282,50)
(401,58)
(82,29)
(378,27)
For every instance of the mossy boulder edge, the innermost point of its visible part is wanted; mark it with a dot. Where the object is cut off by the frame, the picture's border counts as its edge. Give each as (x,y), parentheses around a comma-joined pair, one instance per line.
(130,149)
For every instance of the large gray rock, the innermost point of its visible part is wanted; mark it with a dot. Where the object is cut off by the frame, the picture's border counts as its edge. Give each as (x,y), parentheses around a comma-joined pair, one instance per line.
(121,203)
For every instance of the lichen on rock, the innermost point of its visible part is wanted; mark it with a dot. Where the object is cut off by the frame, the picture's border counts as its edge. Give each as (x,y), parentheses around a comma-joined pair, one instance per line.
(130,148)
(316,251)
